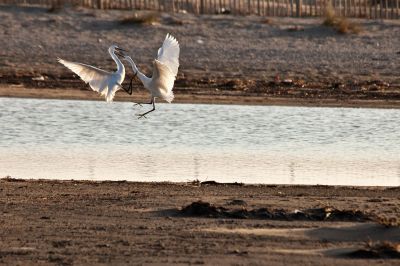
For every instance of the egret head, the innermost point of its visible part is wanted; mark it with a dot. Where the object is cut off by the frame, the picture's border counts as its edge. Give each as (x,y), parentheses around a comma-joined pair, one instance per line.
(118,51)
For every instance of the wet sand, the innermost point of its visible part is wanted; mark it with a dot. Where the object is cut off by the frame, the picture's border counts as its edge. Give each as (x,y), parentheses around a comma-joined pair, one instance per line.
(198,98)
(119,223)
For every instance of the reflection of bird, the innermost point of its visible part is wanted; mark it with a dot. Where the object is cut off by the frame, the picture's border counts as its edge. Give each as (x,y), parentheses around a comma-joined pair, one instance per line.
(165,68)
(106,83)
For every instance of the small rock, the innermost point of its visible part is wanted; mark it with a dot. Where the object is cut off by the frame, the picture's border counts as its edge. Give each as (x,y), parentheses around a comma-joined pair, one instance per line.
(287,81)
(103,245)
(295,28)
(38,78)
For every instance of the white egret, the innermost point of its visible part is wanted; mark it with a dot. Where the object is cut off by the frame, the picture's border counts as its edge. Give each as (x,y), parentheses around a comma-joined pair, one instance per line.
(104,82)
(165,69)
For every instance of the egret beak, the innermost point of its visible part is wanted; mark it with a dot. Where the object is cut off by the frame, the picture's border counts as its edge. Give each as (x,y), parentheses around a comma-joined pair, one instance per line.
(120,51)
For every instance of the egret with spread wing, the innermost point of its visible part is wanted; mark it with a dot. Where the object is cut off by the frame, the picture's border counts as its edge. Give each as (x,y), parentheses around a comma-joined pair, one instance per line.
(165,69)
(106,83)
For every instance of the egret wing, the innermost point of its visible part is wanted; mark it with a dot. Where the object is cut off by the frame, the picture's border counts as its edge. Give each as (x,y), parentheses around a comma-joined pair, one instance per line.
(168,54)
(164,78)
(97,78)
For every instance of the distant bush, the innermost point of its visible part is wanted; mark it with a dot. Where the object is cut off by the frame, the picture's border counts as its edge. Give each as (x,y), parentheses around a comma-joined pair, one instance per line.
(148,18)
(340,24)
(345,26)
(330,16)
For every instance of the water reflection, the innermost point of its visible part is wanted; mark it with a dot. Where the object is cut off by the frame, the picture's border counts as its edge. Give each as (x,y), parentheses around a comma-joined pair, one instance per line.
(291,173)
(251,144)
(196,170)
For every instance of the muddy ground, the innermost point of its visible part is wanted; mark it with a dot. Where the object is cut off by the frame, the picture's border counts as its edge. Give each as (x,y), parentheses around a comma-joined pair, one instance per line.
(119,223)
(224,58)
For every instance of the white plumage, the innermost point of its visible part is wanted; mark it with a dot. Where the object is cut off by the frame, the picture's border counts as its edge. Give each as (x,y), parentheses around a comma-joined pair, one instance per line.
(168,54)
(165,69)
(106,83)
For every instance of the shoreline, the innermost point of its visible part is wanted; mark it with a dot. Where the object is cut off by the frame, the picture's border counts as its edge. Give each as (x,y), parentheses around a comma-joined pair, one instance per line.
(190,98)
(200,183)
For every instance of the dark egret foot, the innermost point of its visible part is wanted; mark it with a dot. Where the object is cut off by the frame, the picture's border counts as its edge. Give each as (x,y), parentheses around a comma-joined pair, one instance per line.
(141,116)
(144,114)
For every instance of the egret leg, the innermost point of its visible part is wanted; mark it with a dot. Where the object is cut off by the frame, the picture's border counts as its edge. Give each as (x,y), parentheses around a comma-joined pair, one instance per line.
(144,114)
(129,90)
(140,104)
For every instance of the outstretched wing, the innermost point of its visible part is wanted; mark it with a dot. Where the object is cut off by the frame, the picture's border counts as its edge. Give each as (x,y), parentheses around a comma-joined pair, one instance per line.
(98,79)
(168,54)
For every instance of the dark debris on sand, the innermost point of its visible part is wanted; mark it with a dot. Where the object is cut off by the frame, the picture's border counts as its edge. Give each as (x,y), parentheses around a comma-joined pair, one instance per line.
(377,250)
(205,209)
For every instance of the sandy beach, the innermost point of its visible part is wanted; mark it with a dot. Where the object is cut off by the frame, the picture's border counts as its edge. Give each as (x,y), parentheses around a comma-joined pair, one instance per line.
(224,59)
(119,223)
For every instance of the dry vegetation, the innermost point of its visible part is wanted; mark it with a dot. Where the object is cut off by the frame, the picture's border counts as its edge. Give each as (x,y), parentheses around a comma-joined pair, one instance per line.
(144,18)
(345,26)
(340,24)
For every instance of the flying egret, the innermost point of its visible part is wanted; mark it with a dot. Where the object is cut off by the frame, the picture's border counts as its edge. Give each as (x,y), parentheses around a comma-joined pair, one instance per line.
(165,69)
(104,82)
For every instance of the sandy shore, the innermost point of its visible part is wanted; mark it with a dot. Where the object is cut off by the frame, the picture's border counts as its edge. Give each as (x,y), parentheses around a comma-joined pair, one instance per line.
(199,98)
(224,59)
(83,222)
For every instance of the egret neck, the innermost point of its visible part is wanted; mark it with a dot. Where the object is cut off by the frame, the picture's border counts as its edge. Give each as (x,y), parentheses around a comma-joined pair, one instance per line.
(145,80)
(120,66)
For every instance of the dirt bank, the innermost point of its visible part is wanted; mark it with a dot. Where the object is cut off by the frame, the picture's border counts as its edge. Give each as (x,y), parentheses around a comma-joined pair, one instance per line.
(222,56)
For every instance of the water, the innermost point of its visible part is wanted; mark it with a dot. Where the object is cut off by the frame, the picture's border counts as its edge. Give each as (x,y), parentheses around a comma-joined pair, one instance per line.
(182,142)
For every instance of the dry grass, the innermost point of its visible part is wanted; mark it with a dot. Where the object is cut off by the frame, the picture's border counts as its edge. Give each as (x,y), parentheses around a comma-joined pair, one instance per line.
(148,18)
(340,24)
(345,26)
(330,16)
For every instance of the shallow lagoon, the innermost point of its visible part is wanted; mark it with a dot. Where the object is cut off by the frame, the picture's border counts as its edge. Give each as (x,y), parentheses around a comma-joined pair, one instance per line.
(64,139)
